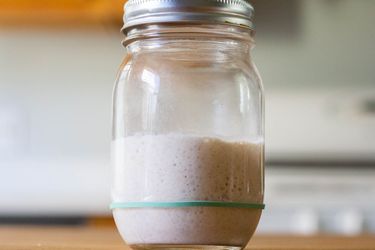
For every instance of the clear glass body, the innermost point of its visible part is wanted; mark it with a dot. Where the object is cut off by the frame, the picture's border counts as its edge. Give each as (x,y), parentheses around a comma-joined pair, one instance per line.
(188,127)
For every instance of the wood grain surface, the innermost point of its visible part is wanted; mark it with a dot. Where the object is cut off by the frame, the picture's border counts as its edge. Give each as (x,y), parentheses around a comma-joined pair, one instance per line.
(106,238)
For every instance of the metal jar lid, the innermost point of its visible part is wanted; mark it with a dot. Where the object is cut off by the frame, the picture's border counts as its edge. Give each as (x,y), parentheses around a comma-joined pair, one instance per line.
(232,12)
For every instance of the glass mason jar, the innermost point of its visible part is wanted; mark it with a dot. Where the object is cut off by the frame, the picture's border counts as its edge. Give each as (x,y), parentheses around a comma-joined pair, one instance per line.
(187,142)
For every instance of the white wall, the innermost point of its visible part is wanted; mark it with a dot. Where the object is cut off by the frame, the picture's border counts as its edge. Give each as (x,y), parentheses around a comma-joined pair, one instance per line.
(334,45)
(55,106)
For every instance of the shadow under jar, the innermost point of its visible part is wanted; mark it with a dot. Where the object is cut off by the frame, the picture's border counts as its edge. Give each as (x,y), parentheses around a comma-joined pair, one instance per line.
(188,130)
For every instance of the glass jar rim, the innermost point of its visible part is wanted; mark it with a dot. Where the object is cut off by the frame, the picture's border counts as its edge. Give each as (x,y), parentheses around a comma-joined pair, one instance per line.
(183,31)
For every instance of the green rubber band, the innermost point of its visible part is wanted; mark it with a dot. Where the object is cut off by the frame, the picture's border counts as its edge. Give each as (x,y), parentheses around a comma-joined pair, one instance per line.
(185,204)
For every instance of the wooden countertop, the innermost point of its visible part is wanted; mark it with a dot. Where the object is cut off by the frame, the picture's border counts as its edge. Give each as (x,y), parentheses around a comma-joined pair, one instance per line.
(106,238)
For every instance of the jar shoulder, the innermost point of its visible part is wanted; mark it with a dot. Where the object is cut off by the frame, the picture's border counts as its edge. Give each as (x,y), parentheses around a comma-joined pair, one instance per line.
(164,68)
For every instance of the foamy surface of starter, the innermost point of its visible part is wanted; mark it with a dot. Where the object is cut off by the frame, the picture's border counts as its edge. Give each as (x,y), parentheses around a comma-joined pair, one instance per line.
(178,167)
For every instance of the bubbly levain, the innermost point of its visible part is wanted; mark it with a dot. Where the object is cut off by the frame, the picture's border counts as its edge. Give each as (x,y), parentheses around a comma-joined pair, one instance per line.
(178,167)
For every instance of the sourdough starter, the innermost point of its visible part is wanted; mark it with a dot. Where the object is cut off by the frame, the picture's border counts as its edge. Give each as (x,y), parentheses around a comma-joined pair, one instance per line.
(178,167)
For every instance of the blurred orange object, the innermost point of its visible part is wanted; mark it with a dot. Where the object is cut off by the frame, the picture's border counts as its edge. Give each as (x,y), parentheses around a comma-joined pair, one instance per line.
(60,12)
(104,221)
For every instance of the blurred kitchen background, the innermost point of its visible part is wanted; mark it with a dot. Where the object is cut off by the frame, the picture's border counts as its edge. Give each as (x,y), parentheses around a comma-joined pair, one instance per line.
(58,62)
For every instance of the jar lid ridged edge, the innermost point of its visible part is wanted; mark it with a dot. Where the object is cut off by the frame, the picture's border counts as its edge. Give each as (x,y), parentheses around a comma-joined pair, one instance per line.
(233,12)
